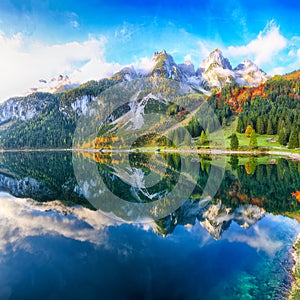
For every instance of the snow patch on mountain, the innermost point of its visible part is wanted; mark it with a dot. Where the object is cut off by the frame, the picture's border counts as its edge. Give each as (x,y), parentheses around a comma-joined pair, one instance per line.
(55,85)
(22,108)
(134,118)
(248,73)
(215,59)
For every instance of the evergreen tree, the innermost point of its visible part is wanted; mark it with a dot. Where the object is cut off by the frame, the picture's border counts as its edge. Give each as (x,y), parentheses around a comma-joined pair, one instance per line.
(234,142)
(253,140)
(282,137)
(240,126)
(293,140)
(270,129)
(224,122)
(207,134)
(234,161)
(260,128)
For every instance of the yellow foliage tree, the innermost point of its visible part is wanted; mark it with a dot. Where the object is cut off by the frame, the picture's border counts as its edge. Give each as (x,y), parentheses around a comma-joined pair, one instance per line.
(248,131)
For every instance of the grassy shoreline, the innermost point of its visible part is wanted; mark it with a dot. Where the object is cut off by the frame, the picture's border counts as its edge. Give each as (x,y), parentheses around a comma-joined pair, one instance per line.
(215,151)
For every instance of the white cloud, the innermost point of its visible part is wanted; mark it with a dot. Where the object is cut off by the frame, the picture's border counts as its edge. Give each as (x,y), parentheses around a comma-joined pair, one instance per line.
(25,62)
(23,218)
(144,64)
(261,240)
(277,71)
(205,48)
(291,53)
(267,44)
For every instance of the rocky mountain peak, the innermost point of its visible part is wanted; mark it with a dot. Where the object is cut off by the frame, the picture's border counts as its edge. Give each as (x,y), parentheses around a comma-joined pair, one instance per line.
(248,73)
(165,66)
(215,59)
(245,64)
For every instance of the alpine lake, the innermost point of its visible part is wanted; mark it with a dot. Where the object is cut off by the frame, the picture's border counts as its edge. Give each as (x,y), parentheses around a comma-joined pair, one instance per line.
(138,225)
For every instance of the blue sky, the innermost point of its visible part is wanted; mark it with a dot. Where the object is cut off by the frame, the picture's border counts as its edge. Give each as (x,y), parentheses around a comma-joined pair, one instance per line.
(91,39)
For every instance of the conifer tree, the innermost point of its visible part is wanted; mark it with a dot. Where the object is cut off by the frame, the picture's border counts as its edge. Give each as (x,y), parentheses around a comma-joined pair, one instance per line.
(260,125)
(270,129)
(234,143)
(293,140)
(203,138)
(282,137)
(240,126)
(253,140)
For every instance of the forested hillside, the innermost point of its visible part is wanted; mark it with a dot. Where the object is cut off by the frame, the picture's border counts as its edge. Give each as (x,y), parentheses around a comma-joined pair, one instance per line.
(272,108)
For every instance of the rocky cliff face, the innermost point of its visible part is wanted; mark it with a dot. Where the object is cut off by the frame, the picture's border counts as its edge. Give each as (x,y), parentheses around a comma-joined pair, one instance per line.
(164,66)
(24,108)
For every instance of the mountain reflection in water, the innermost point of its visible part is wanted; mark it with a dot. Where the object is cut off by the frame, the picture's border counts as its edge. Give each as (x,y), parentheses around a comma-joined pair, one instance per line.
(232,246)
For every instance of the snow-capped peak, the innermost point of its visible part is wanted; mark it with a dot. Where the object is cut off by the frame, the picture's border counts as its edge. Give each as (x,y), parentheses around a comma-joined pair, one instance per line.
(165,66)
(57,84)
(246,64)
(214,71)
(215,59)
(248,73)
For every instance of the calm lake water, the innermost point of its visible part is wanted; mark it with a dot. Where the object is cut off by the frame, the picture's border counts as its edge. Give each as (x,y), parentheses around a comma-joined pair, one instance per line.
(64,237)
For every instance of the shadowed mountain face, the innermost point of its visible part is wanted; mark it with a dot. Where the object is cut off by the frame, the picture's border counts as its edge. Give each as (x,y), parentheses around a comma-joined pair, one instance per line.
(250,188)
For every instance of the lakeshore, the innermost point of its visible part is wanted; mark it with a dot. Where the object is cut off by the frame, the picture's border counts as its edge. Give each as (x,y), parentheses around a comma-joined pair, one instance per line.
(292,155)
(295,289)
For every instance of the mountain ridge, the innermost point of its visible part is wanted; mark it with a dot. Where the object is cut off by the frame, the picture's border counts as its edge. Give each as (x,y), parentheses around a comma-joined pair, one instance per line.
(215,71)
(51,119)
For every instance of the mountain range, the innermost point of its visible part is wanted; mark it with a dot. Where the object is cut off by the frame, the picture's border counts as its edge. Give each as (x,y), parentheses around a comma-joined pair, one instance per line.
(214,71)
(48,119)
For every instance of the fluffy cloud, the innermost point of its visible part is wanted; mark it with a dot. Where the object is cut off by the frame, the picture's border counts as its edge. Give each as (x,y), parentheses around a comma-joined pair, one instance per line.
(267,44)
(144,64)
(206,47)
(25,62)
(261,240)
(23,218)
